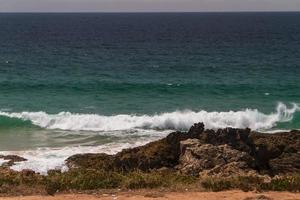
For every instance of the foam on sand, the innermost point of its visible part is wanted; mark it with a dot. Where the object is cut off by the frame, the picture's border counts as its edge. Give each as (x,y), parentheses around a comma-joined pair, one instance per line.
(43,159)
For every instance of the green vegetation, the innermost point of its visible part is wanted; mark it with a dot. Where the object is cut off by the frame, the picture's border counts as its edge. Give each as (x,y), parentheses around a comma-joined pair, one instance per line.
(93,179)
(87,179)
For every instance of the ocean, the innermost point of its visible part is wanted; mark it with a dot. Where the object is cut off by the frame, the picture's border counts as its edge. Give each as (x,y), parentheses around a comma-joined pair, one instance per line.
(101,82)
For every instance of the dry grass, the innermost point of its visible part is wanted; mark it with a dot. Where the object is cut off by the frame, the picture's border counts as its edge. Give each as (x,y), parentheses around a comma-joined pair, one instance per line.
(86,180)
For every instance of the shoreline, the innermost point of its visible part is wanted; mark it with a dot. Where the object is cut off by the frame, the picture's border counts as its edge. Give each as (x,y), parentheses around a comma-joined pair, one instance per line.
(117,131)
(201,158)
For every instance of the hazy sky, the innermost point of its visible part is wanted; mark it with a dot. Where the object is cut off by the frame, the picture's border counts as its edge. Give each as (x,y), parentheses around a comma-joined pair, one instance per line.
(146,5)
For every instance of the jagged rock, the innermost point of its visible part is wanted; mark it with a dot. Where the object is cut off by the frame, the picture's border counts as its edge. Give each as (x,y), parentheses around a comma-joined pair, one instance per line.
(197,158)
(272,153)
(155,155)
(286,163)
(200,151)
(233,169)
(196,130)
(237,138)
(281,151)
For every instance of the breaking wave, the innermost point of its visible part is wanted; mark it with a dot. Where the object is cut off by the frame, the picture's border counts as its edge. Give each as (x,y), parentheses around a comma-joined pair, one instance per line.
(178,120)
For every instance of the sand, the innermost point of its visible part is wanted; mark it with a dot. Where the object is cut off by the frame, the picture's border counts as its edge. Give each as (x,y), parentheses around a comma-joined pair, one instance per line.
(232,195)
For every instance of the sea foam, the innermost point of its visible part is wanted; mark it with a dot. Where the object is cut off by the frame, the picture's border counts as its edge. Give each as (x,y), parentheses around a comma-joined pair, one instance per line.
(2,161)
(43,159)
(178,120)
(155,126)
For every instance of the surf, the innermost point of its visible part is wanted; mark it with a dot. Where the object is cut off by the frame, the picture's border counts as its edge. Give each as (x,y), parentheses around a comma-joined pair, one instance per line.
(177,120)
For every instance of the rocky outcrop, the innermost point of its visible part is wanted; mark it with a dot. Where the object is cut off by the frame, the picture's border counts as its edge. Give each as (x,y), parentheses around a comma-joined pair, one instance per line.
(280,151)
(87,161)
(202,152)
(273,154)
(10,160)
(207,160)
(155,155)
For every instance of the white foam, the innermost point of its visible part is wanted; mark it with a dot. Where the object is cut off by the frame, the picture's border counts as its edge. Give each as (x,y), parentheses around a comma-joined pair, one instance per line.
(277,131)
(2,161)
(179,120)
(43,159)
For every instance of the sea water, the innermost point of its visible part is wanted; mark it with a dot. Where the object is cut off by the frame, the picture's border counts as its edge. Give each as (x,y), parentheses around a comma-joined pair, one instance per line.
(101,82)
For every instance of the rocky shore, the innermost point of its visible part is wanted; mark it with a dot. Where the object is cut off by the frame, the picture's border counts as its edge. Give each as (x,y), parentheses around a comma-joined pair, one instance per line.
(200,152)
(223,159)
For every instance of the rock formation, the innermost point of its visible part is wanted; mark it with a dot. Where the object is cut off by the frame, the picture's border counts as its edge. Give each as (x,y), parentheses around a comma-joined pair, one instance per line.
(10,160)
(207,160)
(200,152)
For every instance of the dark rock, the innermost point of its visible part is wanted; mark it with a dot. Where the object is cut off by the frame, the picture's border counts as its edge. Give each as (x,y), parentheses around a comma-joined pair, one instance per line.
(237,138)
(286,163)
(279,152)
(196,130)
(27,172)
(11,159)
(262,147)
(226,150)
(155,155)
(95,161)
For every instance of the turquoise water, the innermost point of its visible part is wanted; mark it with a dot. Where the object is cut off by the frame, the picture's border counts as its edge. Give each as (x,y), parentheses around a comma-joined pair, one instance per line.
(103,82)
(148,63)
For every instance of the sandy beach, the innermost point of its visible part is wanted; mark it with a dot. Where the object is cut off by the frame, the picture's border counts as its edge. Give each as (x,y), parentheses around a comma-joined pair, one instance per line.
(232,195)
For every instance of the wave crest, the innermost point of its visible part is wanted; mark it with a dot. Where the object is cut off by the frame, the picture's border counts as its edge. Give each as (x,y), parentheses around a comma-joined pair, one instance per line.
(179,120)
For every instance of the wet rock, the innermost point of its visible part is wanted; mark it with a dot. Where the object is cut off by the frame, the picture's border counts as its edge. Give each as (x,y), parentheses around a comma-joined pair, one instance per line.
(95,161)
(11,160)
(155,155)
(196,130)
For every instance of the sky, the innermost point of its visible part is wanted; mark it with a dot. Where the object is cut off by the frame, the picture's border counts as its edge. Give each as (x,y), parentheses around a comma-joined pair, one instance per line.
(147,5)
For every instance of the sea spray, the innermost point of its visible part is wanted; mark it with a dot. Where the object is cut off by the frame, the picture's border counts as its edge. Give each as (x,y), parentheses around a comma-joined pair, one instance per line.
(178,120)
(43,159)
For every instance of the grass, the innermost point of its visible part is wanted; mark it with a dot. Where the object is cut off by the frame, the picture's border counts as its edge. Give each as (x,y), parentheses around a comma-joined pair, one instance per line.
(20,183)
(87,179)
(94,179)
(286,183)
(289,183)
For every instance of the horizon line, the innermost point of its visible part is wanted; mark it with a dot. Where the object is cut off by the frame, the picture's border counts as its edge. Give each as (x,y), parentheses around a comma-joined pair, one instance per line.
(137,12)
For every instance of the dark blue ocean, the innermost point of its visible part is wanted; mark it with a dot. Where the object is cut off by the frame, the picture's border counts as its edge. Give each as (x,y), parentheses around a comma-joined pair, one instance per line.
(103,82)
